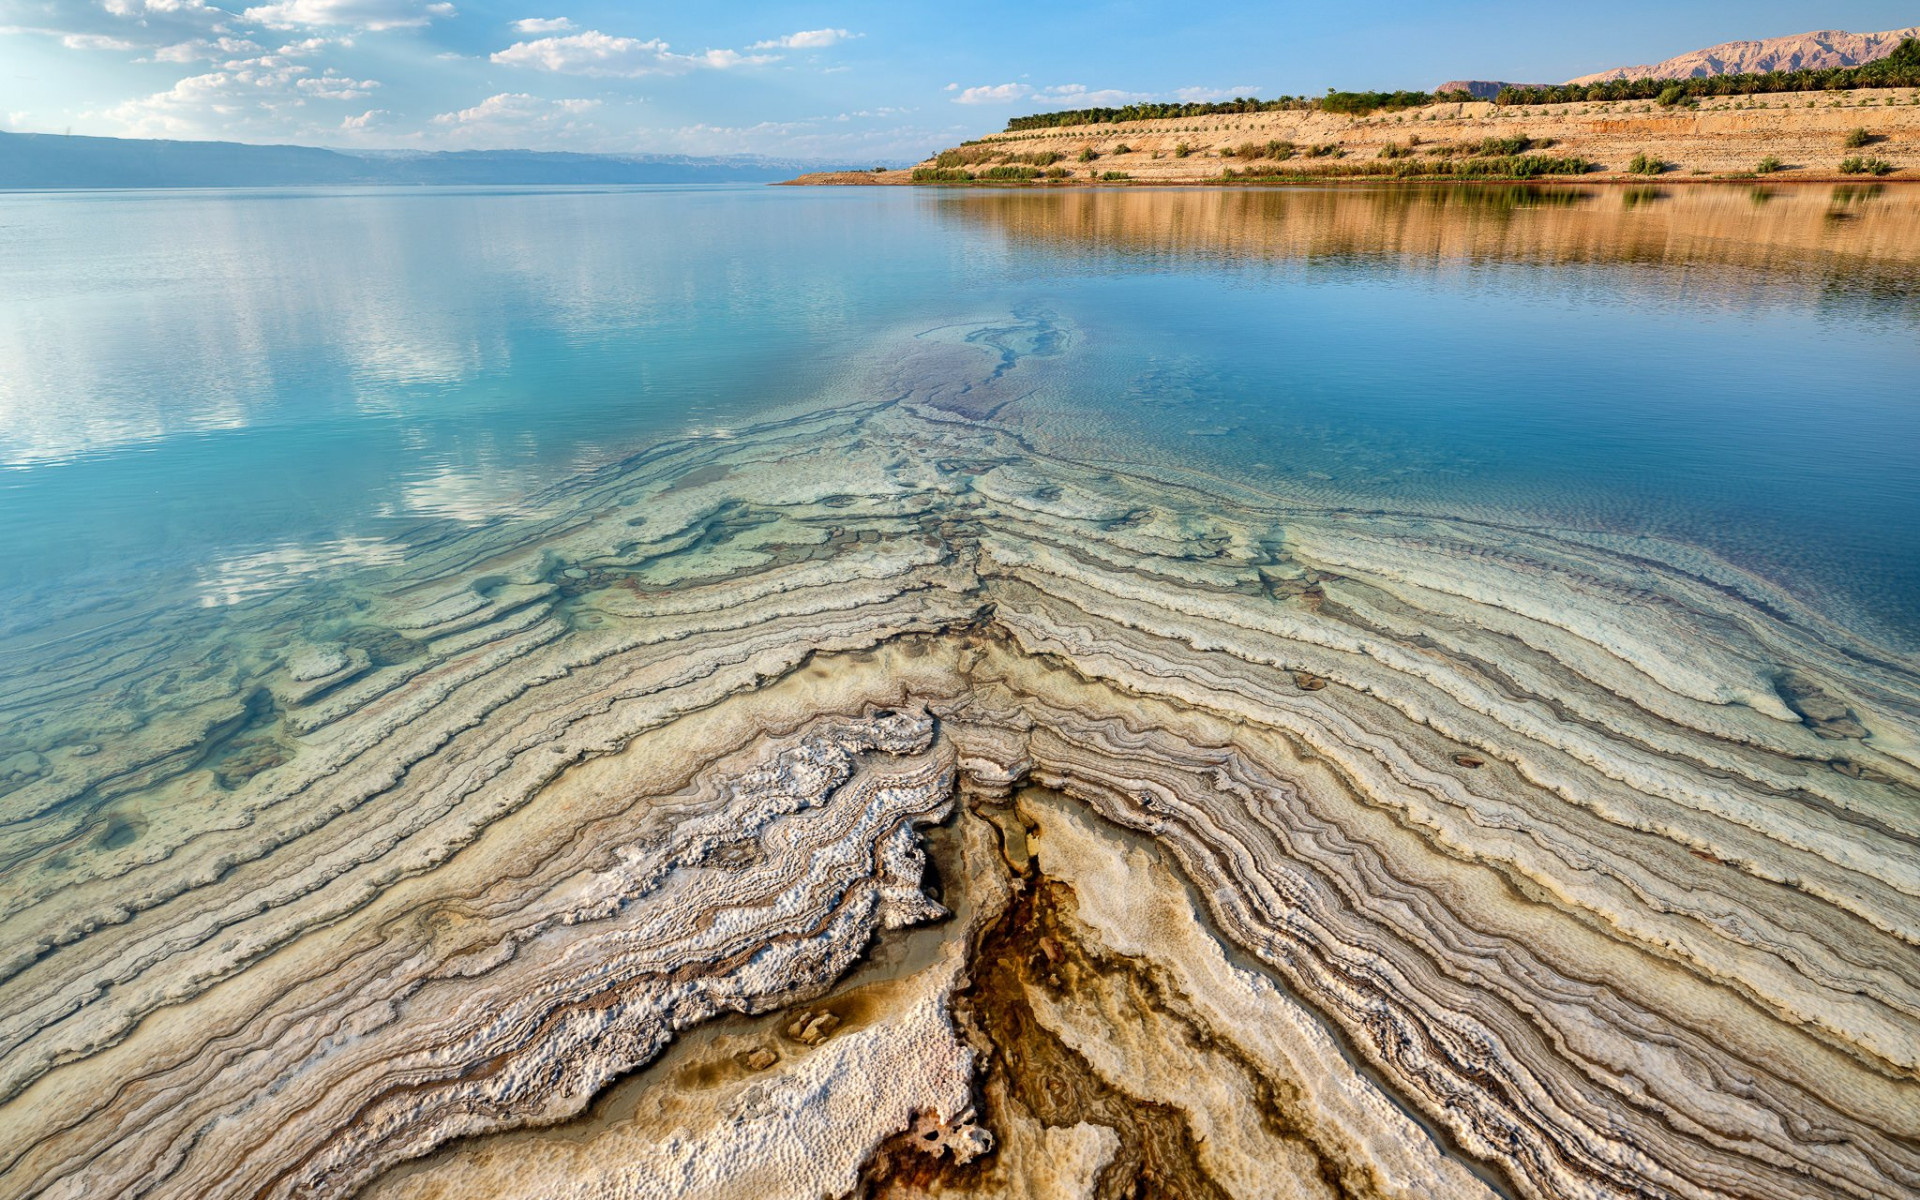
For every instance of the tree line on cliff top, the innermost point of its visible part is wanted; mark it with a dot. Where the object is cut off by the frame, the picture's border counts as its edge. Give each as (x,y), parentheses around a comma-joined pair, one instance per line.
(1355,103)
(1899,69)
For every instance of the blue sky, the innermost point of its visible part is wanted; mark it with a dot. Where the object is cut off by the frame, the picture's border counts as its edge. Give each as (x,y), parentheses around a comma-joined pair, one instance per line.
(856,80)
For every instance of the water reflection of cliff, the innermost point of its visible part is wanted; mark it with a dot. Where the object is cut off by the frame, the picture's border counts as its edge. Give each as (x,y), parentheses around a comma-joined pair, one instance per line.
(1860,240)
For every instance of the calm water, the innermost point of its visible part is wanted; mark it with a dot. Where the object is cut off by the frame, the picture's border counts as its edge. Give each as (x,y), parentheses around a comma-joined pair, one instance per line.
(217,394)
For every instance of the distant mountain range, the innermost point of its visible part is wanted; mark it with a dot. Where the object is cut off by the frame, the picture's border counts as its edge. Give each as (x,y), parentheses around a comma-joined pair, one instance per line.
(1818,51)
(44,160)
(1481,89)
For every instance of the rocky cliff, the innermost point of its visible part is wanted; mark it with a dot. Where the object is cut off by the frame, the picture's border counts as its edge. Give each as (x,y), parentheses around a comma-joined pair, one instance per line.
(1821,50)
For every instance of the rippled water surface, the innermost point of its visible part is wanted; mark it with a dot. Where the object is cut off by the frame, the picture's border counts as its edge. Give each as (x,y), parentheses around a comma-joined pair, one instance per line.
(205,397)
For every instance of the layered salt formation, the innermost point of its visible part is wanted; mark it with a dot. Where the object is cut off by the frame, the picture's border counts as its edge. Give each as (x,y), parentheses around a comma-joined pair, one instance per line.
(1293,850)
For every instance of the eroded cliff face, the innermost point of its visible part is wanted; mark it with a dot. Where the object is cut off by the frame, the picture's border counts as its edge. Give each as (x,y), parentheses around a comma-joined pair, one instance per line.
(1722,138)
(1278,850)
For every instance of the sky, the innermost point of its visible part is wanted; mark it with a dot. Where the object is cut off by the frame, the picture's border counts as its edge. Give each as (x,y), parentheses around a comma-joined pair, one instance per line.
(846,80)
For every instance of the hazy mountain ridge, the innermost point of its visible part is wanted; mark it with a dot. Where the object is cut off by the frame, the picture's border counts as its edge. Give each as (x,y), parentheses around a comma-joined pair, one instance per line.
(41,160)
(1823,49)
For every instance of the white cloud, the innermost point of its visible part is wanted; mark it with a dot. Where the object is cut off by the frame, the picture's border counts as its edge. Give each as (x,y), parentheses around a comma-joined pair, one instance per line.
(201,50)
(331,86)
(358,14)
(96,41)
(514,108)
(806,39)
(516,119)
(242,95)
(542,25)
(181,108)
(999,93)
(1077,95)
(366,120)
(596,53)
(163,8)
(310,46)
(121,26)
(589,53)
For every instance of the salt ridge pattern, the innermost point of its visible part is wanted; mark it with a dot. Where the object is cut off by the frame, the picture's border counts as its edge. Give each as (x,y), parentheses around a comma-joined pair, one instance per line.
(1562,863)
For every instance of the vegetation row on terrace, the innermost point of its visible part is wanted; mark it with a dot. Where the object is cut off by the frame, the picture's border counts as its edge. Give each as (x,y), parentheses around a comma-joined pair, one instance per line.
(1354,103)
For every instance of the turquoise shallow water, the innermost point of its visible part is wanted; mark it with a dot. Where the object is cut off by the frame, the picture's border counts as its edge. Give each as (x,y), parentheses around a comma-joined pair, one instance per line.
(224,393)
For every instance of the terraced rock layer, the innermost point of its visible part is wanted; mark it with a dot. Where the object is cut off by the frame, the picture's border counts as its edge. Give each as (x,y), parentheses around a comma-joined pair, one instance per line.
(1805,133)
(1290,850)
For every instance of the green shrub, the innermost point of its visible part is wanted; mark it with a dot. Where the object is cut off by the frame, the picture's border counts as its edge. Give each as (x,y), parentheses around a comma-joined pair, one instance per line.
(1114,176)
(1857,138)
(1501,147)
(1865,166)
(1087,154)
(1123,148)
(1528,166)
(1326,150)
(1524,166)
(950,159)
(1058,172)
(1674,94)
(1360,104)
(1645,164)
(941,175)
(1767,165)
(1181,150)
(1010,173)
(1390,150)
(1276,150)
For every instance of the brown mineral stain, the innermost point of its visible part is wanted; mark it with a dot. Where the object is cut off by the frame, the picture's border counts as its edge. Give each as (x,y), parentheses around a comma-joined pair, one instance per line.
(1032,1071)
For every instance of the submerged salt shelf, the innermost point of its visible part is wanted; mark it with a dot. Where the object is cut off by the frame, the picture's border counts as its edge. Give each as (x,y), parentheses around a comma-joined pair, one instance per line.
(925,788)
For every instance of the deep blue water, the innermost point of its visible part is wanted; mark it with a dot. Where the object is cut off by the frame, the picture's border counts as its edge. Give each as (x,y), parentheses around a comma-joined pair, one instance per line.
(263,385)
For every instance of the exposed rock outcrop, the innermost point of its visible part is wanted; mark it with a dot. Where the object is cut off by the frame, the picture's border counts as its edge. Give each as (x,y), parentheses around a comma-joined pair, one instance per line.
(1481,89)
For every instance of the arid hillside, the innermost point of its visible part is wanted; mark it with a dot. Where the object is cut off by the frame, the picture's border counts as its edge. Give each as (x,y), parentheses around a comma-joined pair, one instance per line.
(1821,50)
(1791,136)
